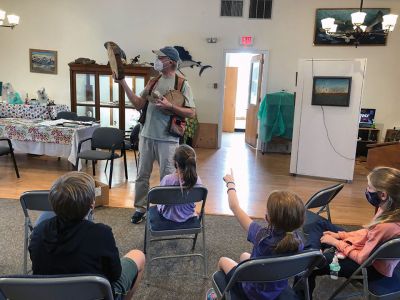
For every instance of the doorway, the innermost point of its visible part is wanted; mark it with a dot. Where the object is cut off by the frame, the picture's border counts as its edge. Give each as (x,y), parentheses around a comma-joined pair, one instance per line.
(244,83)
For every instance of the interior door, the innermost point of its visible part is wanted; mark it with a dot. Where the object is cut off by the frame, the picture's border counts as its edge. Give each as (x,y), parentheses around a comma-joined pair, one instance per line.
(254,99)
(231,76)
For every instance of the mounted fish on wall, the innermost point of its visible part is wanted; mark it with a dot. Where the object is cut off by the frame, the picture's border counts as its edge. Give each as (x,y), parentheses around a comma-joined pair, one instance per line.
(187,61)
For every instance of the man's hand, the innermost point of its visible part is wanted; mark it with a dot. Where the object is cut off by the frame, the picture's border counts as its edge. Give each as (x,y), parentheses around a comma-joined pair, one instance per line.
(164,104)
(115,78)
(329,240)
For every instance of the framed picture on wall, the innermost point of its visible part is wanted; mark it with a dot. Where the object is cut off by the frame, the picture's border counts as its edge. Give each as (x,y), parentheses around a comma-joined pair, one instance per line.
(373,21)
(43,61)
(331,91)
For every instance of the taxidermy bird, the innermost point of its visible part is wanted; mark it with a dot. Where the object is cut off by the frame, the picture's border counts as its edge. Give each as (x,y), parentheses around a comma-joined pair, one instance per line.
(187,61)
(116,49)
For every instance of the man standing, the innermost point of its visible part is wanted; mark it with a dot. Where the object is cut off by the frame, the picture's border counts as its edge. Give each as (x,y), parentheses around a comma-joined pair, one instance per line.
(155,142)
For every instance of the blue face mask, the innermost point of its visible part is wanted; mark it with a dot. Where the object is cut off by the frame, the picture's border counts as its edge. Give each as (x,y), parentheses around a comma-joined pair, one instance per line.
(373,198)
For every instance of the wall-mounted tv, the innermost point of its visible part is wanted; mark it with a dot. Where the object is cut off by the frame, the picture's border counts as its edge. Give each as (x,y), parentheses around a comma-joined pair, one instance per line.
(331,91)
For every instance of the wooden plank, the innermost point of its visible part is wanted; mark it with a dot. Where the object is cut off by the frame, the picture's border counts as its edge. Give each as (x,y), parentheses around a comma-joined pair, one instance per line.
(206,136)
(231,75)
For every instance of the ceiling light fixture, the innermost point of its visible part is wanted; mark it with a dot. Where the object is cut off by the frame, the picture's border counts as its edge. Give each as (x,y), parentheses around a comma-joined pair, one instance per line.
(12,20)
(359,30)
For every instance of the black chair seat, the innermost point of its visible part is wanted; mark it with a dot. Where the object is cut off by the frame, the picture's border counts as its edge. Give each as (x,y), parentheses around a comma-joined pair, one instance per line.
(97,155)
(161,224)
(4,150)
(386,285)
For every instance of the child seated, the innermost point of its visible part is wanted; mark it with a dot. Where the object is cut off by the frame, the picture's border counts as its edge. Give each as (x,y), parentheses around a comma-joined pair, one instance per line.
(70,244)
(185,175)
(284,215)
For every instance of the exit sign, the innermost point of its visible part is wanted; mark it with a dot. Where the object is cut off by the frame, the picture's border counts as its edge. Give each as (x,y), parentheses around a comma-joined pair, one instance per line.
(246,40)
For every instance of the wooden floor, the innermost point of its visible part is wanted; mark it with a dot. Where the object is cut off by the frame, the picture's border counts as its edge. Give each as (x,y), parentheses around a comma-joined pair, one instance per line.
(256,175)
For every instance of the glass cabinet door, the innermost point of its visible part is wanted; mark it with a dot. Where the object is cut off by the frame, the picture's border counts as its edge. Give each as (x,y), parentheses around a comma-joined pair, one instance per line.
(109,91)
(109,117)
(136,84)
(85,89)
(131,118)
(86,110)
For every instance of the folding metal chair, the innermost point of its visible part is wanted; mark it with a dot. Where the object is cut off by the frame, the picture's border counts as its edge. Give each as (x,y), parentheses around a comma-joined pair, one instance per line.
(60,287)
(32,201)
(270,269)
(5,150)
(158,226)
(384,288)
(322,199)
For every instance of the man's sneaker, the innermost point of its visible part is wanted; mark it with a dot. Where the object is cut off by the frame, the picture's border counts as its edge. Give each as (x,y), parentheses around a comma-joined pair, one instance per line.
(138,217)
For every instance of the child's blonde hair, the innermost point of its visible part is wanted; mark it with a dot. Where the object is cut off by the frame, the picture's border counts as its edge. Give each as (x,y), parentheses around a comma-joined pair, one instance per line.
(286,212)
(385,179)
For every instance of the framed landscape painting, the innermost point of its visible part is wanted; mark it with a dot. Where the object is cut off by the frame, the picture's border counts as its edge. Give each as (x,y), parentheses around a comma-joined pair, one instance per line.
(342,17)
(43,61)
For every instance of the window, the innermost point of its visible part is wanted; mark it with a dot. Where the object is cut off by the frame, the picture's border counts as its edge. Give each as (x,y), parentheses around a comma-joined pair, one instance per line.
(260,9)
(232,8)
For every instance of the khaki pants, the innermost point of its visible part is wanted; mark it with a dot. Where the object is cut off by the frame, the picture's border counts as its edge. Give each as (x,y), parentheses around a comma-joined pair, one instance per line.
(151,150)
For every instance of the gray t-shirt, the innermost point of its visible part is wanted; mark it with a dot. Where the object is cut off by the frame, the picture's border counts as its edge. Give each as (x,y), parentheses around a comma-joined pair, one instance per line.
(156,125)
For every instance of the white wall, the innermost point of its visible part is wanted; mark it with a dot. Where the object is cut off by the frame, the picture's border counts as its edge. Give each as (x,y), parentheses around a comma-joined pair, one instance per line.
(325,138)
(79,29)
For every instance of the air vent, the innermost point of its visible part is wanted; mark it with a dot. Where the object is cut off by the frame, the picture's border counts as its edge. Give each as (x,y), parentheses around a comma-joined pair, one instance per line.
(232,8)
(260,9)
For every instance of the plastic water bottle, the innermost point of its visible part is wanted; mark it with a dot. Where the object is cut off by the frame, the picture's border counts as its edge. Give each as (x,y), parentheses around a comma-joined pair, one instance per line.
(335,268)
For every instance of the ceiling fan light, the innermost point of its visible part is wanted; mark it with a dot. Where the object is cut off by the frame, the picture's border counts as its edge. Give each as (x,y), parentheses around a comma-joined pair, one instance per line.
(327,23)
(333,28)
(358,18)
(13,20)
(389,22)
(2,15)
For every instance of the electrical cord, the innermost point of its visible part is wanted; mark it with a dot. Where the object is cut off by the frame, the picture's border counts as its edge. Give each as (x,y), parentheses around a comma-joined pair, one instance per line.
(329,139)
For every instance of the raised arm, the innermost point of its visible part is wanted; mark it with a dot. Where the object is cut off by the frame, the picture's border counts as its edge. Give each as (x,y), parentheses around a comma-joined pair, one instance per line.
(239,213)
(137,102)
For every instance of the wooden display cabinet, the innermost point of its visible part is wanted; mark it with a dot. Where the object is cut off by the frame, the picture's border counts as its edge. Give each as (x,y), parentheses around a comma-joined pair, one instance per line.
(94,93)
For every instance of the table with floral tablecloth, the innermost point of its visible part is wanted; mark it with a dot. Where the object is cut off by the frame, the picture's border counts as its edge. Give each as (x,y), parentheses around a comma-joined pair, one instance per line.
(25,111)
(45,137)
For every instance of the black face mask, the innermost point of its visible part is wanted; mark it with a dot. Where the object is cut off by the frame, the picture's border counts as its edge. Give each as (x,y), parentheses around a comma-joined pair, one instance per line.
(373,198)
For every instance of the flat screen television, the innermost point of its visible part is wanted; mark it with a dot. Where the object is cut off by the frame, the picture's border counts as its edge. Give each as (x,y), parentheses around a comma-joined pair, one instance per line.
(367,117)
(331,91)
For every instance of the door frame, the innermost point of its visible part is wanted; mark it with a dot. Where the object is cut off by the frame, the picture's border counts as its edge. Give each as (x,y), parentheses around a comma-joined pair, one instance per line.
(263,83)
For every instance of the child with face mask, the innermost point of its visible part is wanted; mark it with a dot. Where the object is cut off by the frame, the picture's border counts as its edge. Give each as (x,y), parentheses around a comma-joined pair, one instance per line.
(185,175)
(383,192)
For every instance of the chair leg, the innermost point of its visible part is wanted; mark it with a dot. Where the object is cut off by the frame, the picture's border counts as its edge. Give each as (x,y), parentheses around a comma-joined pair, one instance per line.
(111,171)
(204,250)
(26,237)
(94,167)
(15,164)
(126,167)
(136,161)
(77,164)
(194,241)
(105,168)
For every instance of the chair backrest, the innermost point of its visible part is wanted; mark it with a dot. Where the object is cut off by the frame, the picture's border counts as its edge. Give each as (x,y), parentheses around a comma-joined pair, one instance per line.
(283,266)
(55,287)
(85,119)
(35,200)
(134,137)
(67,115)
(387,250)
(108,138)
(323,197)
(170,195)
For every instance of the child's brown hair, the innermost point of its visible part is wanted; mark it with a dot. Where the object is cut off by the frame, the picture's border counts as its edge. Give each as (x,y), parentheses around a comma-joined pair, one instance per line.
(286,212)
(185,159)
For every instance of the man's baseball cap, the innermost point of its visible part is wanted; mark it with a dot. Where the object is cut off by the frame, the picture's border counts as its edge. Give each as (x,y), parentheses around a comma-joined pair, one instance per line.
(168,51)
